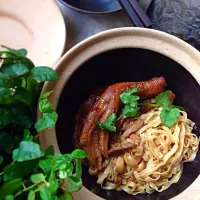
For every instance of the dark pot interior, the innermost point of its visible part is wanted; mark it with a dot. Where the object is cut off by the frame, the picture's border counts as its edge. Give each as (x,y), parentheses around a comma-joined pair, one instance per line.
(128,65)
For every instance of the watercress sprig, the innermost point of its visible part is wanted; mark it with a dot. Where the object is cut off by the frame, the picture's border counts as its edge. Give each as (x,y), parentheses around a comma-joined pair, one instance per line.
(28,171)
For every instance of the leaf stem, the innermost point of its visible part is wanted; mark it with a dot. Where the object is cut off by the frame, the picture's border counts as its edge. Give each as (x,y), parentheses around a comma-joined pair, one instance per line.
(149,104)
(25,189)
(119,117)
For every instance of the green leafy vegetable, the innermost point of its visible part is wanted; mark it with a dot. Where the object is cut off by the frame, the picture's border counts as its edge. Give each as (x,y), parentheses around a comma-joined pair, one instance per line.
(14,69)
(78,153)
(37,178)
(31,195)
(109,123)
(27,136)
(23,95)
(5,140)
(10,187)
(49,151)
(78,169)
(66,196)
(73,183)
(48,120)
(44,193)
(9,197)
(28,171)
(62,160)
(66,170)
(44,74)
(1,159)
(14,171)
(53,182)
(45,106)
(2,80)
(45,164)
(18,53)
(46,94)
(5,95)
(28,150)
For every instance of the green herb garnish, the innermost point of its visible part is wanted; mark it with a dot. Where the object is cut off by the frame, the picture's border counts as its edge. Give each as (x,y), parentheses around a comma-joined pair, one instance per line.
(109,123)
(26,170)
(169,114)
(131,103)
(163,99)
(129,111)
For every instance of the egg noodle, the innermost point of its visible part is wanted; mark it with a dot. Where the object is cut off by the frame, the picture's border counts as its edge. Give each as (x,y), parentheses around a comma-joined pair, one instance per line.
(160,155)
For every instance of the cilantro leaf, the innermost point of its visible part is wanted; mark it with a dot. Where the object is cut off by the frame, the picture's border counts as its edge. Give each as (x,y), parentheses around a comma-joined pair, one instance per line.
(163,99)
(129,97)
(130,111)
(109,123)
(131,91)
(169,116)
(131,103)
(27,150)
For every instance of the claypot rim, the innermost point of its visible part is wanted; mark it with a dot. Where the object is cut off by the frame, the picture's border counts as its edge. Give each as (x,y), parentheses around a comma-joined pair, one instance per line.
(160,42)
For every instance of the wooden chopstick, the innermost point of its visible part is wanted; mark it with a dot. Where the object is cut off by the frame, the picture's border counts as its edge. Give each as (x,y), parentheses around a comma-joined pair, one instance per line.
(140,12)
(136,13)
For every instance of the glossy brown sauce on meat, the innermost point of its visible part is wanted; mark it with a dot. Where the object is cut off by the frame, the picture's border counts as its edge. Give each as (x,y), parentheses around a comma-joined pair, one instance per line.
(101,104)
